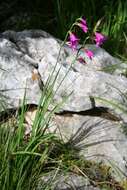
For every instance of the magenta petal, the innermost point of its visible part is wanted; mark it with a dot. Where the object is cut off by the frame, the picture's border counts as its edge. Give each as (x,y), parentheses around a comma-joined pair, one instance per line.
(73,41)
(89,53)
(84,27)
(99,38)
(73,37)
(83,21)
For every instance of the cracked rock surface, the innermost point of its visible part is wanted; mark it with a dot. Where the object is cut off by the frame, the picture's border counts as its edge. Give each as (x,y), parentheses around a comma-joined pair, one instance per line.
(95,138)
(69,181)
(28,57)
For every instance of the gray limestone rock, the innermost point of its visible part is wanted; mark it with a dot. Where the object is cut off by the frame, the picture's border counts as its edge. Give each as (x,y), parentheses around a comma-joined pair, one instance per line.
(96,139)
(28,58)
(73,182)
(23,51)
(68,181)
(16,77)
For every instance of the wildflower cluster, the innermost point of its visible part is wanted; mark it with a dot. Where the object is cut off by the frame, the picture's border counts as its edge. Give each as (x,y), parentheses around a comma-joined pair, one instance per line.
(74,40)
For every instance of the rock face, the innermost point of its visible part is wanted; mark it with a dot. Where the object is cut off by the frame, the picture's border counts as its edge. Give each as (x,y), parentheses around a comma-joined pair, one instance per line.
(95,138)
(27,50)
(16,70)
(69,181)
(28,58)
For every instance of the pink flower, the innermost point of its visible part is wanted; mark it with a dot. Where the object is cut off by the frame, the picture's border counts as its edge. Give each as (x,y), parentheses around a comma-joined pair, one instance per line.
(83,20)
(73,41)
(99,39)
(83,25)
(89,53)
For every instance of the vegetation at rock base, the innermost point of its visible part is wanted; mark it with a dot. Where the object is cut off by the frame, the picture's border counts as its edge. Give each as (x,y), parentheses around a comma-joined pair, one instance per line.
(25,159)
